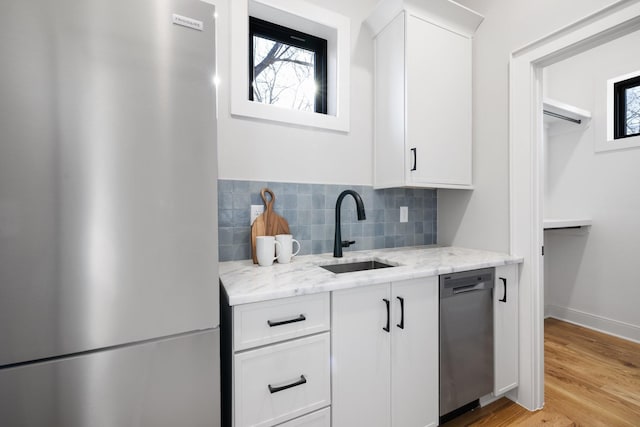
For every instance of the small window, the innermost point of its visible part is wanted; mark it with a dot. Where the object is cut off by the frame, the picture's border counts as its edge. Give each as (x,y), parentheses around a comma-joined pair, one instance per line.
(627,108)
(287,68)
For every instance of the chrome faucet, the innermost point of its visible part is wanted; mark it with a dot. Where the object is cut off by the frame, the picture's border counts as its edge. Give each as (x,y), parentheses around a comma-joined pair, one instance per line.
(338,244)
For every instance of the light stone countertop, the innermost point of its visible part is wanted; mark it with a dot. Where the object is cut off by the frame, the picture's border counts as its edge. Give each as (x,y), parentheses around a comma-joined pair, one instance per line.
(246,282)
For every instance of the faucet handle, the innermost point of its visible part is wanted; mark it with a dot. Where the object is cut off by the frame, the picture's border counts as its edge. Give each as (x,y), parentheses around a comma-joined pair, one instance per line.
(347,243)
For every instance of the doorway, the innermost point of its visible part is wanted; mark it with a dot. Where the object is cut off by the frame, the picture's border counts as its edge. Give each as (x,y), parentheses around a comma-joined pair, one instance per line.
(527,171)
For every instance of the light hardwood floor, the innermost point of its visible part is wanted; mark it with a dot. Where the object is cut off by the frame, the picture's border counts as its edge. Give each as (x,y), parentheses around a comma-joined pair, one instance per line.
(591,379)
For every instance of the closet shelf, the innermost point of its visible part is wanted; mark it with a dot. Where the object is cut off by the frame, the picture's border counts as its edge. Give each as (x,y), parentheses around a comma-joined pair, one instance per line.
(559,112)
(554,224)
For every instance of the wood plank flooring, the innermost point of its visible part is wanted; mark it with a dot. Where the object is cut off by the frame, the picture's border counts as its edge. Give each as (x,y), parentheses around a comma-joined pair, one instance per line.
(591,379)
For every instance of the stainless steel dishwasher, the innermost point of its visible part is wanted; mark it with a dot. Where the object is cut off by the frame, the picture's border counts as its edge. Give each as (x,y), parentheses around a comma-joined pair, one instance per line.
(466,340)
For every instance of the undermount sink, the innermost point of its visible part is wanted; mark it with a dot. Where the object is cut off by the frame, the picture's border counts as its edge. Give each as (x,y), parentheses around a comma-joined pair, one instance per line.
(351,267)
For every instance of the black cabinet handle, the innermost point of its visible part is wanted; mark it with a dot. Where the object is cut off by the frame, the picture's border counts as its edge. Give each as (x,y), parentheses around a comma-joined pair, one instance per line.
(301,381)
(504,283)
(415,159)
(401,324)
(386,328)
(286,322)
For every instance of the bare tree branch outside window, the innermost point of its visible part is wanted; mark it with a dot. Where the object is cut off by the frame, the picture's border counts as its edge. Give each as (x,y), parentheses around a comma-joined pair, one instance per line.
(283,75)
(632,119)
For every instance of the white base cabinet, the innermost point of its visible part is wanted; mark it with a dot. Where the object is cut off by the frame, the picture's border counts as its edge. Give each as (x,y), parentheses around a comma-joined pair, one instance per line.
(385,355)
(276,362)
(505,324)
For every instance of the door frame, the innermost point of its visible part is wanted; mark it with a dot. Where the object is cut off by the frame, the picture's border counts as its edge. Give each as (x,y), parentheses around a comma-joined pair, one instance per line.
(526,163)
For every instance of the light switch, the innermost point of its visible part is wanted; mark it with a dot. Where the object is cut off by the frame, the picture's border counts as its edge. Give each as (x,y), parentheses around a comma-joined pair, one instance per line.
(404,214)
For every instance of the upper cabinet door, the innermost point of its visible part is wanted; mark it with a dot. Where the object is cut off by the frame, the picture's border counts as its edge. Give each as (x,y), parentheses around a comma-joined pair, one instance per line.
(438,107)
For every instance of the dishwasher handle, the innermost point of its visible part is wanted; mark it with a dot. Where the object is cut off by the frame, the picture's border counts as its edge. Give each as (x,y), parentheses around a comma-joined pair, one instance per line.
(471,288)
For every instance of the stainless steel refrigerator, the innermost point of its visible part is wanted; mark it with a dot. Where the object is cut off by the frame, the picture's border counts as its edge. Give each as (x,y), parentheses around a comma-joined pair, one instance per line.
(108,214)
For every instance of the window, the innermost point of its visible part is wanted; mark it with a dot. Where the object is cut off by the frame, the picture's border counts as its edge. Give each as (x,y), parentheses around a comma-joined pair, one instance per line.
(627,108)
(287,68)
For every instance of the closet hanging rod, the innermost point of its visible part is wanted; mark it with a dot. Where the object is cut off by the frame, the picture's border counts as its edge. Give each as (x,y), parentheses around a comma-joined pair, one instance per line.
(560,116)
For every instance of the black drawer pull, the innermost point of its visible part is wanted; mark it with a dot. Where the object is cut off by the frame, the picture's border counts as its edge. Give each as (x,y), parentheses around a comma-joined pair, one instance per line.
(415,159)
(504,282)
(401,324)
(301,381)
(286,322)
(386,328)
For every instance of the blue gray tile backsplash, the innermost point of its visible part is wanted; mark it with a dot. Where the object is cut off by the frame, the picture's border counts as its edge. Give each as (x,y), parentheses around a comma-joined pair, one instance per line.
(310,211)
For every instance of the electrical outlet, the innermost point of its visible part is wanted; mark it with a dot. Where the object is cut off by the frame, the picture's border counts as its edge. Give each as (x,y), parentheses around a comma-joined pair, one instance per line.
(404,214)
(256,210)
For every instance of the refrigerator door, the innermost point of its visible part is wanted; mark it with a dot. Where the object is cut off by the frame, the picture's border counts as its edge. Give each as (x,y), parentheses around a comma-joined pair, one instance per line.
(108,217)
(172,382)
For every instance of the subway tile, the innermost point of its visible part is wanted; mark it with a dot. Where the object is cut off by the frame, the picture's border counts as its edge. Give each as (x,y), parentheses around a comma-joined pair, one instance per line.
(241,235)
(355,230)
(317,216)
(240,186)
(225,235)
(225,253)
(304,189)
(391,215)
(303,233)
(225,186)
(241,217)
(304,217)
(291,215)
(378,215)
(242,251)
(390,229)
(290,189)
(241,200)
(318,189)
(318,232)
(369,229)
(305,247)
(225,218)
(289,201)
(389,241)
(304,201)
(317,200)
(225,200)
(310,211)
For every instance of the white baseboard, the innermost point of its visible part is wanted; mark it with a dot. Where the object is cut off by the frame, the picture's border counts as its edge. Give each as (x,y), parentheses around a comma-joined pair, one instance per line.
(602,324)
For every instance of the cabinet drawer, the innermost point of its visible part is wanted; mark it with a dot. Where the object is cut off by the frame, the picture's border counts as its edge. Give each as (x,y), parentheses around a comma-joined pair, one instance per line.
(283,381)
(278,320)
(321,418)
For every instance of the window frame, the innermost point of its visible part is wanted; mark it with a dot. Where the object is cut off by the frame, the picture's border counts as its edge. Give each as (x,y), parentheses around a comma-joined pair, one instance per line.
(620,107)
(278,33)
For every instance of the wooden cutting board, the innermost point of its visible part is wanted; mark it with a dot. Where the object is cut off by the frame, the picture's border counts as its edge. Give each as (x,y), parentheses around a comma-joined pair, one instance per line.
(268,223)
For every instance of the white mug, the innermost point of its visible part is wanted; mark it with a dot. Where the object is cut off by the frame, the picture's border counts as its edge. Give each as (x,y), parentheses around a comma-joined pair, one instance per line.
(265,249)
(285,252)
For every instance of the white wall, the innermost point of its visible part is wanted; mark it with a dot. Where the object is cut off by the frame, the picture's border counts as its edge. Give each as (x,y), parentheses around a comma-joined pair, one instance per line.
(267,151)
(591,278)
(480,219)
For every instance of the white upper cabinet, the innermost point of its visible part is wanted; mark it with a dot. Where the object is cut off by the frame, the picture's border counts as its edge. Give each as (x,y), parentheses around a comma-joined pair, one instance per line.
(423,94)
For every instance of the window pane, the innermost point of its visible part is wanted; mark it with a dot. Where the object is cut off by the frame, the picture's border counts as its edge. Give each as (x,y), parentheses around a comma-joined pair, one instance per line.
(632,119)
(283,75)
